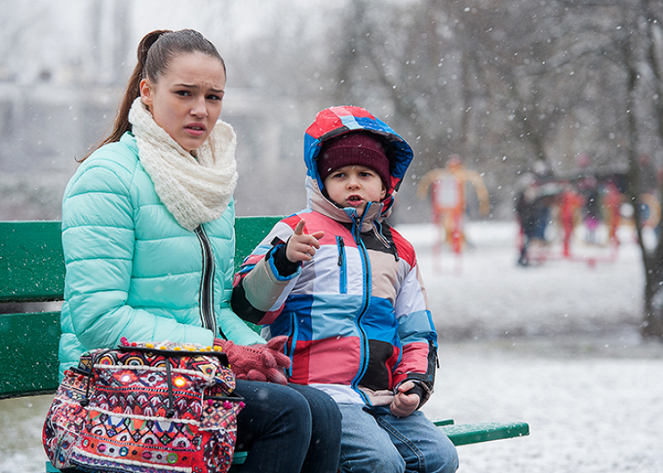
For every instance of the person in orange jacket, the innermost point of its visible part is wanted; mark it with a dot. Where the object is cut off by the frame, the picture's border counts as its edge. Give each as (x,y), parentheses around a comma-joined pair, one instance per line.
(449,201)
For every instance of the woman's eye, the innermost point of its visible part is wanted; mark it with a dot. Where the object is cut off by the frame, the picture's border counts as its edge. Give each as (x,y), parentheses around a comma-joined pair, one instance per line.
(183,93)
(214,97)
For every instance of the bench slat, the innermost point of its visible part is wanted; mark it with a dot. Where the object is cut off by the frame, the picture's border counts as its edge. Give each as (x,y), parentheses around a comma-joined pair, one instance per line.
(29,353)
(31,261)
(465,434)
(249,231)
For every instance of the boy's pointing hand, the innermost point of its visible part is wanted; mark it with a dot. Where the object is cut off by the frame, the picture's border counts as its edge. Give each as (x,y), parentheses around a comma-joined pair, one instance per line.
(301,246)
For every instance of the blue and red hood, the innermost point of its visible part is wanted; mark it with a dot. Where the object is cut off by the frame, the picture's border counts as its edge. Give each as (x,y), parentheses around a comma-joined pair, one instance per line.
(335,121)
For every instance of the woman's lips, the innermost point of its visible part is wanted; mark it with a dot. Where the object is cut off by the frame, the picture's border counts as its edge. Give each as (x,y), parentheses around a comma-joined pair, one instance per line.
(196,129)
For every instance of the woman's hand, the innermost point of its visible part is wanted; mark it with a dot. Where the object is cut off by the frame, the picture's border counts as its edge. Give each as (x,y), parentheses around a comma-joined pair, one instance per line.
(302,247)
(404,404)
(257,362)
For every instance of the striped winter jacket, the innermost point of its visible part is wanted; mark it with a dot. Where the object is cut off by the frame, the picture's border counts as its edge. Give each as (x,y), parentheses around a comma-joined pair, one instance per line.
(356,315)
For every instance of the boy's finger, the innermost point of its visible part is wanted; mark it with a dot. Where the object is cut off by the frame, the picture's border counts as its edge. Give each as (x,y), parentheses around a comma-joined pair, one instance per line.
(299,229)
(406,386)
(314,241)
(318,235)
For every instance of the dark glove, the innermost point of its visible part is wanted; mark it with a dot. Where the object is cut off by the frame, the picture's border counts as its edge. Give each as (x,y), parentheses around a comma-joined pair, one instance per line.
(257,362)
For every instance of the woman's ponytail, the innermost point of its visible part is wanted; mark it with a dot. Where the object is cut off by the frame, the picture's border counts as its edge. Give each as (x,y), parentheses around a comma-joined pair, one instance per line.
(131,92)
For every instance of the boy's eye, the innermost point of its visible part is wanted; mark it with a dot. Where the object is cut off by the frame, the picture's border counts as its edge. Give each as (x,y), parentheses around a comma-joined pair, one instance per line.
(183,93)
(214,97)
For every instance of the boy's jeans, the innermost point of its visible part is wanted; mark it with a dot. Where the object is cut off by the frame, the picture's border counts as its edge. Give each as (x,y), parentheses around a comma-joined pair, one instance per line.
(375,440)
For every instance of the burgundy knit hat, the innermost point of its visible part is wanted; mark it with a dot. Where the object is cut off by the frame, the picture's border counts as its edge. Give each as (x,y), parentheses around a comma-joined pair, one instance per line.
(357,147)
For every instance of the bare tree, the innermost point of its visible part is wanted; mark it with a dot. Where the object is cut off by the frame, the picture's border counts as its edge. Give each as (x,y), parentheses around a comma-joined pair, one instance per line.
(642,52)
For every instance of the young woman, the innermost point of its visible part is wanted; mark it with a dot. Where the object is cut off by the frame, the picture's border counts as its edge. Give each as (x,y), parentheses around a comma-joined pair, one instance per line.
(148,237)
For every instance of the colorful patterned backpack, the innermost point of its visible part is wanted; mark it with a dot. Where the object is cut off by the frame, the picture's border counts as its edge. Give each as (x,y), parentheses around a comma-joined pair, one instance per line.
(145,408)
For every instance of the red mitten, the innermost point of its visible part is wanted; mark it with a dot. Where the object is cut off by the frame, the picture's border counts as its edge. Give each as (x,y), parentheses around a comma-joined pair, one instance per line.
(257,362)
(275,347)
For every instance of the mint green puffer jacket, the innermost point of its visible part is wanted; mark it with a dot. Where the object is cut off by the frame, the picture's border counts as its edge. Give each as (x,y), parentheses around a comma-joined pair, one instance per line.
(132,271)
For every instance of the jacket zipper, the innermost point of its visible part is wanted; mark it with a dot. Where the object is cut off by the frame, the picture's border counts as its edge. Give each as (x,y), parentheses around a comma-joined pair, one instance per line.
(292,338)
(343,276)
(364,307)
(378,233)
(206,301)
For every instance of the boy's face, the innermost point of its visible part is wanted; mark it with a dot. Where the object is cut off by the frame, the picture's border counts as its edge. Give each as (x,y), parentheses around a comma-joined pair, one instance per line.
(354,186)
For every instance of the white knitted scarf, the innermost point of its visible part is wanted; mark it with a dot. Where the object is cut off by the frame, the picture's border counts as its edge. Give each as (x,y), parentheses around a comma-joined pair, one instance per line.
(195,189)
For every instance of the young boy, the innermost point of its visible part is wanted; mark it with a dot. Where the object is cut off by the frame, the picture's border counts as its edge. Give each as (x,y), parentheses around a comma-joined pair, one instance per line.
(345,288)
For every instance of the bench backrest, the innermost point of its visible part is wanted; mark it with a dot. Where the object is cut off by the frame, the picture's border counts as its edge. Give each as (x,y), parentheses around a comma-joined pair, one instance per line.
(32,270)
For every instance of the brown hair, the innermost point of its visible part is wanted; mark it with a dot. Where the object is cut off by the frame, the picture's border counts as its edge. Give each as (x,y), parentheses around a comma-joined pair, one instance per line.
(155,51)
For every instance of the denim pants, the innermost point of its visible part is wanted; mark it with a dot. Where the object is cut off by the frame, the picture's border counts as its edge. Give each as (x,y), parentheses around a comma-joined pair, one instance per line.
(288,428)
(375,440)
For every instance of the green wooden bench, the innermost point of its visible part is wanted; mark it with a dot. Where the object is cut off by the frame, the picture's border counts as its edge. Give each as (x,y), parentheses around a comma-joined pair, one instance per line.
(32,270)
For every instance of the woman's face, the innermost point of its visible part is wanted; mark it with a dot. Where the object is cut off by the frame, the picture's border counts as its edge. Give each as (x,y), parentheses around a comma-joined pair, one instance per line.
(186,100)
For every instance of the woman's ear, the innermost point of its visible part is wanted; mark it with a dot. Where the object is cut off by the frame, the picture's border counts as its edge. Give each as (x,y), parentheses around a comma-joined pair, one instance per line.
(146,92)
(383,194)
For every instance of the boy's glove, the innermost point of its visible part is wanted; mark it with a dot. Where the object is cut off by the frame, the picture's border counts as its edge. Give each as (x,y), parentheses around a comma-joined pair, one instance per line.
(257,362)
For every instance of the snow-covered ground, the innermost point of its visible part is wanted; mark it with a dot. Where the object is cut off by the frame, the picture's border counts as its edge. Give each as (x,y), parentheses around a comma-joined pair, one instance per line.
(554,344)
(483,292)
